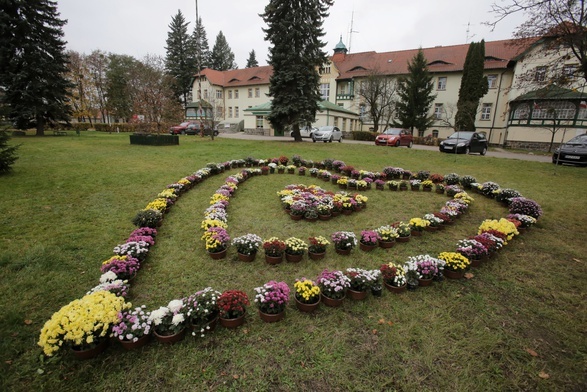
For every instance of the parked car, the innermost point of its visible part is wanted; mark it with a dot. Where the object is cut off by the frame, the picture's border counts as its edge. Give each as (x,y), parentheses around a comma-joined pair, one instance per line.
(395,137)
(464,143)
(327,133)
(181,128)
(306,131)
(573,152)
(194,129)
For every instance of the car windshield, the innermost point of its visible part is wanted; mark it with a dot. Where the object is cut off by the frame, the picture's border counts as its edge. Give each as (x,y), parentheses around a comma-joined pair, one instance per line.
(325,128)
(581,139)
(461,135)
(392,132)
(185,124)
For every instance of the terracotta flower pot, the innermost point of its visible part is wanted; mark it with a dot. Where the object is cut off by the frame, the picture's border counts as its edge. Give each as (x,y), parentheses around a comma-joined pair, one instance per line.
(395,289)
(273,259)
(93,352)
(307,308)
(316,256)
(271,318)
(130,345)
(218,255)
(170,339)
(332,302)
(356,295)
(232,323)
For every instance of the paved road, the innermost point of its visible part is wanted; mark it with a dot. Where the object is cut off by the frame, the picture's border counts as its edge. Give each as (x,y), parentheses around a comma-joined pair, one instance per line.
(493,152)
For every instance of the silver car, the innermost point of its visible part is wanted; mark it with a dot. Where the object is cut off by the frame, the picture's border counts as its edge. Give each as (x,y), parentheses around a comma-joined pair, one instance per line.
(305,131)
(327,133)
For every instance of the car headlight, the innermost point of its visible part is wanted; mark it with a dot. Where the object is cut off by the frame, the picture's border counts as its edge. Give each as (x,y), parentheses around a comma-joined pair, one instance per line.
(442,143)
(461,145)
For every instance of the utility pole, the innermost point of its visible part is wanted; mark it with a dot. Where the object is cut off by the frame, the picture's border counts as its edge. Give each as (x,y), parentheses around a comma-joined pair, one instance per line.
(199,66)
(351,31)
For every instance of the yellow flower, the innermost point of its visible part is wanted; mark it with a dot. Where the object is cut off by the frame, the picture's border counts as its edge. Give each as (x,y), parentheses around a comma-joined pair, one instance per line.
(208,223)
(503,226)
(157,204)
(454,261)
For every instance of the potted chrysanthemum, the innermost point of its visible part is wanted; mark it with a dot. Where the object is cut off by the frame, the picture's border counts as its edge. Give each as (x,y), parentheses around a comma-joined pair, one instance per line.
(369,240)
(169,322)
(344,241)
(202,310)
(133,329)
(274,248)
(456,264)
(271,300)
(361,281)
(333,286)
(307,295)
(394,277)
(294,249)
(247,246)
(317,247)
(387,236)
(232,306)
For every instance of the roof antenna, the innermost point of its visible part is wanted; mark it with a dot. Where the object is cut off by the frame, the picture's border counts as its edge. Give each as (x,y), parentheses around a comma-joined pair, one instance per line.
(351,31)
(468,31)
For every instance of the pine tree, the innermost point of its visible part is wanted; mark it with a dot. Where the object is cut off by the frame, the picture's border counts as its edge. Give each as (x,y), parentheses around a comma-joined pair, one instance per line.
(180,59)
(7,153)
(119,81)
(202,49)
(295,30)
(252,61)
(33,63)
(415,96)
(473,87)
(222,58)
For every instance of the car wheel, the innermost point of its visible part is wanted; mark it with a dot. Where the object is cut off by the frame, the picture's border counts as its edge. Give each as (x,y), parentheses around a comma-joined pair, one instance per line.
(330,140)
(397,144)
(411,144)
(215,133)
(183,132)
(311,136)
(484,151)
(314,140)
(340,139)
(467,150)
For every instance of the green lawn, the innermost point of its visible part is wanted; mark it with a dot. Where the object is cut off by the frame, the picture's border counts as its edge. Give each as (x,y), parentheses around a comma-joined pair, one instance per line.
(71,199)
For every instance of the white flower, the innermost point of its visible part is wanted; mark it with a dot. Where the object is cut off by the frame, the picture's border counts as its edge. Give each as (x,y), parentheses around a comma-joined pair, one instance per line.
(157,315)
(175,305)
(108,277)
(177,319)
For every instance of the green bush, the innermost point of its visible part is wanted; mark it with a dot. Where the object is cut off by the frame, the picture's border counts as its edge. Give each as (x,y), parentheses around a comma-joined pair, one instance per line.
(364,135)
(154,140)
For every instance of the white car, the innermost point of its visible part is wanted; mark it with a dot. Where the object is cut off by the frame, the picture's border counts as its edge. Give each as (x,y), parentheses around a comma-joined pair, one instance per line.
(327,133)
(306,131)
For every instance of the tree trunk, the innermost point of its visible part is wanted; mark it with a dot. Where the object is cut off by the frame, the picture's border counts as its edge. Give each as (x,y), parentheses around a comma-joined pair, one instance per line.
(296,132)
(40,126)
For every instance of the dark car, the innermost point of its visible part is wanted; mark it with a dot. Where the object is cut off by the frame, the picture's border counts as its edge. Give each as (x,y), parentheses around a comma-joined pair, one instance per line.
(194,129)
(464,143)
(181,128)
(395,137)
(573,152)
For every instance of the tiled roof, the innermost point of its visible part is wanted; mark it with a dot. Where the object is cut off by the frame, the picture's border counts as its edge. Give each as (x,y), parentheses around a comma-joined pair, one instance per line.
(498,55)
(239,77)
(440,59)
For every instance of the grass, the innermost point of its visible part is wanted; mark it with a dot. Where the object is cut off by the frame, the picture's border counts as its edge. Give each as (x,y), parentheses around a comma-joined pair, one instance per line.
(70,200)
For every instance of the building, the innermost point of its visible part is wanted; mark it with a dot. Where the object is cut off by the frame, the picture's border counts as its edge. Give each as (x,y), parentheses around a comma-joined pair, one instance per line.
(513,68)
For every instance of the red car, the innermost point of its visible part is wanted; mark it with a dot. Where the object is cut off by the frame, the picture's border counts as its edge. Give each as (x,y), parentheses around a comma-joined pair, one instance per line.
(181,128)
(395,137)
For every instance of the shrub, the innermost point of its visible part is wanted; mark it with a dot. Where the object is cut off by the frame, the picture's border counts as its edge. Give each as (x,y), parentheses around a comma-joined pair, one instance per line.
(7,153)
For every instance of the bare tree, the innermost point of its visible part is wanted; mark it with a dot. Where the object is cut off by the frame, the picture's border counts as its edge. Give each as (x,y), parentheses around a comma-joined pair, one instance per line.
(378,92)
(97,63)
(562,26)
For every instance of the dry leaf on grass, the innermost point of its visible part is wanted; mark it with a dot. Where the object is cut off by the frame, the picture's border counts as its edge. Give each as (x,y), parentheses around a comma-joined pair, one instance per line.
(28,322)
(543,375)
(531,352)
(469,275)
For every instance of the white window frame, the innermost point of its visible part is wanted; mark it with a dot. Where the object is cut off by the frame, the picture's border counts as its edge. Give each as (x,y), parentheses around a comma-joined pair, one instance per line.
(486,111)
(236,112)
(492,81)
(438,110)
(250,92)
(441,84)
(257,92)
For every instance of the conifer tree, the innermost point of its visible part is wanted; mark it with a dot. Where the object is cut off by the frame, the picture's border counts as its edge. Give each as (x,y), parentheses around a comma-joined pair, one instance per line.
(473,87)
(415,96)
(180,60)
(7,153)
(222,58)
(294,30)
(202,49)
(33,64)
(252,61)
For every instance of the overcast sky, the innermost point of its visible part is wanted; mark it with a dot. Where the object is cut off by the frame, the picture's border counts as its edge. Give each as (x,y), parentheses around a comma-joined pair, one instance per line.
(138,28)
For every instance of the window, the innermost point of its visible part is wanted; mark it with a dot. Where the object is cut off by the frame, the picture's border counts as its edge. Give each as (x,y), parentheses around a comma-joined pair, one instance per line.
(236,111)
(540,75)
(205,94)
(336,121)
(344,124)
(250,93)
(229,111)
(235,94)
(219,94)
(438,110)
(569,71)
(219,111)
(257,92)
(492,81)
(325,91)
(486,111)
(325,69)
(441,83)
(435,133)
(259,121)
(229,94)
(420,132)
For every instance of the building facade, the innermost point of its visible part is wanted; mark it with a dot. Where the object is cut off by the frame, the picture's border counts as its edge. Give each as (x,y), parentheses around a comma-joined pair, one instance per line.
(512,67)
